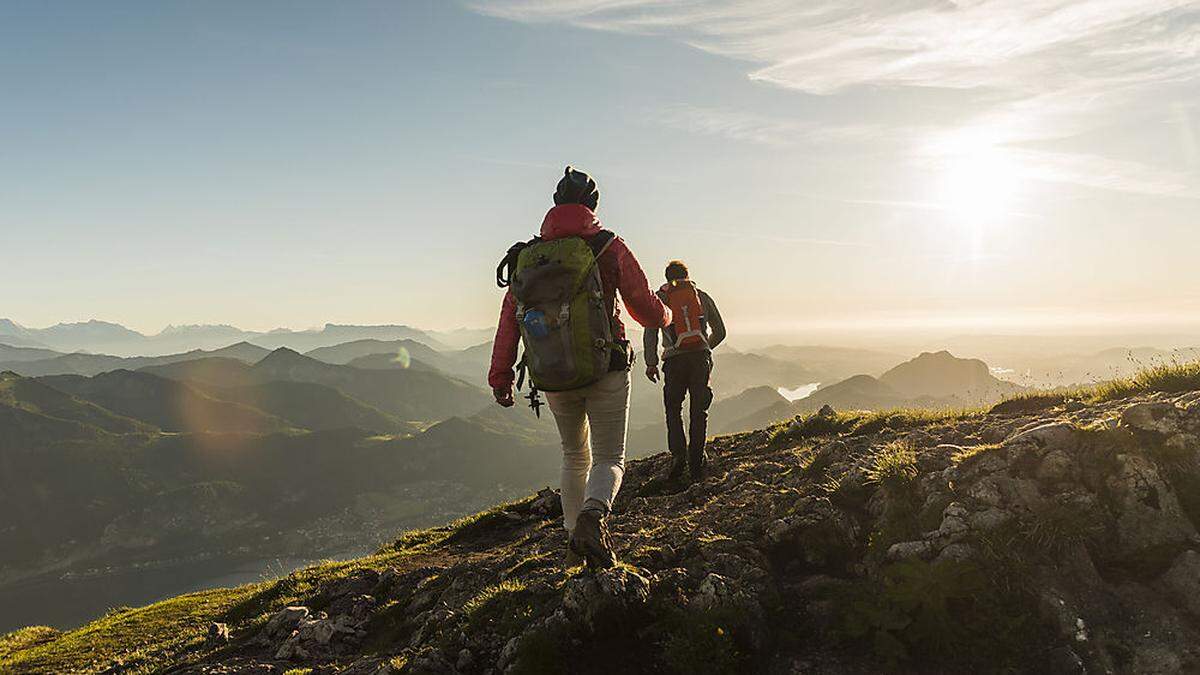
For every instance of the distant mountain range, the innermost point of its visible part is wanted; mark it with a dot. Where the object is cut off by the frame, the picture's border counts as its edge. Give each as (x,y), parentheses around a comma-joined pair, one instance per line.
(112,338)
(282,455)
(931,380)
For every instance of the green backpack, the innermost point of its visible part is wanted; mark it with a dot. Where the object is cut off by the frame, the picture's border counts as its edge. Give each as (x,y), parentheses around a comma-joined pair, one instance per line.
(565,323)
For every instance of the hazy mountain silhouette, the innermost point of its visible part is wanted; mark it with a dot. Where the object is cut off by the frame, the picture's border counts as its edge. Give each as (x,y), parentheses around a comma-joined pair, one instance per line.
(734,408)
(466,364)
(391,362)
(344,353)
(831,364)
(931,380)
(309,405)
(408,394)
(735,372)
(111,338)
(212,371)
(941,374)
(93,364)
(168,404)
(38,398)
(12,354)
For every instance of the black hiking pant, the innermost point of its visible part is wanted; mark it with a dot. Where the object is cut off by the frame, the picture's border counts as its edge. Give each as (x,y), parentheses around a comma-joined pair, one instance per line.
(686,375)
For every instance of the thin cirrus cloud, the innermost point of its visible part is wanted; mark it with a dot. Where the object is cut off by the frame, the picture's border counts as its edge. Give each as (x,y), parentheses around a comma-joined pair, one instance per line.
(764,129)
(1049,69)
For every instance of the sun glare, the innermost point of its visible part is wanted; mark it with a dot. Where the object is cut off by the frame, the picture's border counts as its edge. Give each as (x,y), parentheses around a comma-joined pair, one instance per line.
(978,179)
(978,188)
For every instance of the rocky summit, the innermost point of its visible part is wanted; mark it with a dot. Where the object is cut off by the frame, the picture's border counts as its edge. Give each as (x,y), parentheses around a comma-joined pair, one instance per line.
(1047,535)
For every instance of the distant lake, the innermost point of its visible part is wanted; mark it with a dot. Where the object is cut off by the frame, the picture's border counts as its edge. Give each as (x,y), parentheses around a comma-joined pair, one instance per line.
(799,392)
(69,603)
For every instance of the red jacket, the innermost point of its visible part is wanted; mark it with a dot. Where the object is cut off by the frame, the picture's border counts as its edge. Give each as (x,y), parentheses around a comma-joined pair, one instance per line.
(618,270)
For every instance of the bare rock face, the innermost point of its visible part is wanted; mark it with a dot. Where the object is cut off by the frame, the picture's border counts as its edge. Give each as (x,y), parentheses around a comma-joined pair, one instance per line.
(606,597)
(1149,518)
(1182,582)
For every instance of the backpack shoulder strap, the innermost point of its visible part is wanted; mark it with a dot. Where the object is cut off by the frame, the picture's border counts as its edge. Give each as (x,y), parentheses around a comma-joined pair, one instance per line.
(509,262)
(600,242)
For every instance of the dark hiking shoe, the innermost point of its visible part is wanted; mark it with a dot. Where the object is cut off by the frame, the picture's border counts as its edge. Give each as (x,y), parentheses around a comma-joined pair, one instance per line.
(678,467)
(572,560)
(590,540)
(697,465)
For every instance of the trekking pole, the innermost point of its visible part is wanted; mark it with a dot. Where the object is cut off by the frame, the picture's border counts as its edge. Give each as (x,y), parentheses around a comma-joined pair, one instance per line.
(535,402)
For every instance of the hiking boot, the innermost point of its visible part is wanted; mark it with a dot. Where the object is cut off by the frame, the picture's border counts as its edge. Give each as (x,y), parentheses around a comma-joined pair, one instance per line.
(677,469)
(590,540)
(572,560)
(697,463)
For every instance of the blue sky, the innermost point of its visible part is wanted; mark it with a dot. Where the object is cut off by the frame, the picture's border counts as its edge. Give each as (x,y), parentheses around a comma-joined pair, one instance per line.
(290,163)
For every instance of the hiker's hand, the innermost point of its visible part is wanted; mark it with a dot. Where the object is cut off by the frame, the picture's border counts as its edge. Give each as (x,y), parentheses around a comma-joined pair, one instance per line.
(652,373)
(504,397)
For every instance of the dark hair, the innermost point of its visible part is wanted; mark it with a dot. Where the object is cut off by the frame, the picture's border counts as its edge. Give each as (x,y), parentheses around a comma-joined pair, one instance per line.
(576,187)
(676,270)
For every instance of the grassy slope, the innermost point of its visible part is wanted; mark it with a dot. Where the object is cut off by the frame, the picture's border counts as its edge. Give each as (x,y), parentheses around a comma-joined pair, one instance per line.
(173,631)
(147,639)
(35,397)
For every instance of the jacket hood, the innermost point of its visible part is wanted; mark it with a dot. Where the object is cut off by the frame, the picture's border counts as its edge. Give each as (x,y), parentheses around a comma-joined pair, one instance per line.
(569,220)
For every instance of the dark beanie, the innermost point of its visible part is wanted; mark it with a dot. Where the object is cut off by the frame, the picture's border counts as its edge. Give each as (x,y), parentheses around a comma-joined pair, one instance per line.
(576,187)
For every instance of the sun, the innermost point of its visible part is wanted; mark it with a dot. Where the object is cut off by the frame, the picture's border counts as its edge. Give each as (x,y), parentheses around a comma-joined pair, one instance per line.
(977,189)
(978,179)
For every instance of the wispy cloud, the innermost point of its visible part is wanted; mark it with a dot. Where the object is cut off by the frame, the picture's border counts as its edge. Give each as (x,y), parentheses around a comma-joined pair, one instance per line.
(766,130)
(1051,69)
(823,46)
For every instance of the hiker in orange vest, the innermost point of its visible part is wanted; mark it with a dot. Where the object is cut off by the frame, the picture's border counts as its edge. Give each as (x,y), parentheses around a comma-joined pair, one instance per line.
(695,331)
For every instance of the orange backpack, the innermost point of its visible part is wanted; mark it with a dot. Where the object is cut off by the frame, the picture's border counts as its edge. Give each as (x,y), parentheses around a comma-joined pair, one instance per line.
(687,312)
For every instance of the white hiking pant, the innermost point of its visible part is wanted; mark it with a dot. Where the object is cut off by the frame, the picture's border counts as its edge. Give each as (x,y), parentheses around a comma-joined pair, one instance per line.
(591,422)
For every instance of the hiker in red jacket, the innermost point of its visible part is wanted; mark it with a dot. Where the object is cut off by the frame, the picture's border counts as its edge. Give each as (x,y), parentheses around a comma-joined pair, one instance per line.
(591,419)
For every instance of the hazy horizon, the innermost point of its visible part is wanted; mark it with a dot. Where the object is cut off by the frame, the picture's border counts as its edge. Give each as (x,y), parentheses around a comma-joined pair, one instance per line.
(918,168)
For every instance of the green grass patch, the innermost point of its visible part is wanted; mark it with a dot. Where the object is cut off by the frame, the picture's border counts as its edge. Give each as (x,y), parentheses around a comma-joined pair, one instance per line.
(147,639)
(131,641)
(24,639)
(505,604)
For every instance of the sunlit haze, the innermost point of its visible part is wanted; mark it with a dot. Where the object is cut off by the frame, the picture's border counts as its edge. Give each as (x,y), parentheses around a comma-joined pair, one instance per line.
(823,167)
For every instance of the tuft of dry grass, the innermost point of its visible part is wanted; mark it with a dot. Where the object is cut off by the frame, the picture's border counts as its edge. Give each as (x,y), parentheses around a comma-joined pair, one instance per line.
(894,467)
